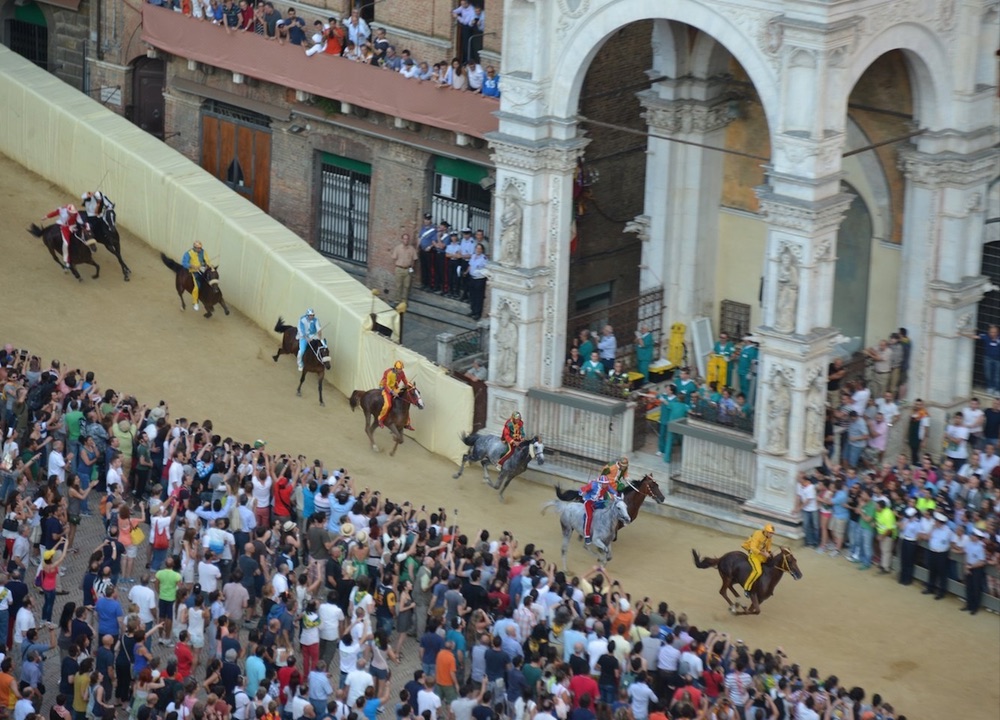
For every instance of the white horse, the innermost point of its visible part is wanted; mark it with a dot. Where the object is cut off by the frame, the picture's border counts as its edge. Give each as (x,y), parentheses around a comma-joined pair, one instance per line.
(606,519)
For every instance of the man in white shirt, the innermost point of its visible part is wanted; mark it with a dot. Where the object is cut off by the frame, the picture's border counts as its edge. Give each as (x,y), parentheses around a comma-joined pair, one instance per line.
(24,621)
(262,483)
(114,476)
(888,407)
(279,581)
(331,623)
(427,699)
(175,476)
(144,598)
(57,462)
(597,647)
(640,695)
(357,681)
(988,460)
(805,502)
(974,418)
(859,398)
(208,574)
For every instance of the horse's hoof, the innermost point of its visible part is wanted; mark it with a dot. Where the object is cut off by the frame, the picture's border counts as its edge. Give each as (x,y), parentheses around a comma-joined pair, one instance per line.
(375,448)
(127,278)
(298,393)
(322,404)
(226,310)
(455,476)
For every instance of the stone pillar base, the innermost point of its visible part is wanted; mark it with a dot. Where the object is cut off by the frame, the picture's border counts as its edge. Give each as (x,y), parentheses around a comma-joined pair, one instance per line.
(774,496)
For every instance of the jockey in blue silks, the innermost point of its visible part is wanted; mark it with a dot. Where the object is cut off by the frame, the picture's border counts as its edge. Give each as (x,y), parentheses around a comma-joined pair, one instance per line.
(596,491)
(309,329)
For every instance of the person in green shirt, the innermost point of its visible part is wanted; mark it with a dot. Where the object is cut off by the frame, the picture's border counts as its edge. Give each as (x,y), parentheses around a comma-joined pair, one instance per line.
(81,688)
(167,580)
(866,525)
(644,349)
(73,419)
(586,345)
(885,527)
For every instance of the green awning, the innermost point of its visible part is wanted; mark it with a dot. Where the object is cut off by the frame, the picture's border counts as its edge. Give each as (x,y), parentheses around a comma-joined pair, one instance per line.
(344,163)
(30,13)
(460,169)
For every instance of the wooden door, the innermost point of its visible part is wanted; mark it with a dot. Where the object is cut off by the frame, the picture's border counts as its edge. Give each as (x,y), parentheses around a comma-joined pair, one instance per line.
(239,155)
(148,81)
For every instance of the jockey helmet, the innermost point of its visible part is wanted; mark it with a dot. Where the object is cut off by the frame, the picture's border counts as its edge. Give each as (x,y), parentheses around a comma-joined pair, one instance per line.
(85,196)
(623,462)
(515,416)
(98,196)
(310,312)
(197,245)
(769,528)
(398,365)
(71,208)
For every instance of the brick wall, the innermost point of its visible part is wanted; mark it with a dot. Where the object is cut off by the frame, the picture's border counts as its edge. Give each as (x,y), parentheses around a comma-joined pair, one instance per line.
(604,253)
(68,42)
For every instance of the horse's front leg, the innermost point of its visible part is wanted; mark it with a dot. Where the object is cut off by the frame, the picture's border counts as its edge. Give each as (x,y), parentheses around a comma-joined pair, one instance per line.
(118,255)
(277,354)
(371,421)
(320,385)
(397,436)
(180,294)
(97,269)
(486,471)
(225,308)
(298,390)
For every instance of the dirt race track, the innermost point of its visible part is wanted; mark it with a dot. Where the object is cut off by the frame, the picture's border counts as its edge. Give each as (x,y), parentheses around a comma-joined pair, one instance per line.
(925,657)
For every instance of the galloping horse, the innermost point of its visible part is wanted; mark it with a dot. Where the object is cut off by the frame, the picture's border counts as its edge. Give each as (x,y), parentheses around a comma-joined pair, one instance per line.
(209,293)
(606,519)
(107,234)
(633,497)
(398,417)
(81,251)
(734,567)
(315,359)
(487,449)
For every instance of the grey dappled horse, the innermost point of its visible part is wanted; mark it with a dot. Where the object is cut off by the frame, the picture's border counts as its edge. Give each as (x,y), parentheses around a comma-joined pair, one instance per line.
(606,519)
(488,449)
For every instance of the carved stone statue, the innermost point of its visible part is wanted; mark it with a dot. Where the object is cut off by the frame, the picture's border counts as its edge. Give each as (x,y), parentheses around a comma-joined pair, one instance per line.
(788,292)
(506,360)
(779,408)
(815,416)
(510,229)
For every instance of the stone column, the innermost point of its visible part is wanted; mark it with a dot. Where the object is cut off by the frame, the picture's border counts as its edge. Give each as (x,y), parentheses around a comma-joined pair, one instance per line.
(529,275)
(795,338)
(940,278)
(683,187)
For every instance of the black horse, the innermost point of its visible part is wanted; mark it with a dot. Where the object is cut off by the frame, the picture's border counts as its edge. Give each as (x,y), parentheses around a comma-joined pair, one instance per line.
(106,233)
(80,250)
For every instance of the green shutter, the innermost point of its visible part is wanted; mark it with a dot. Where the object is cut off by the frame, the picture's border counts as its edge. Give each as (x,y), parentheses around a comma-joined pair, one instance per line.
(30,13)
(344,163)
(460,169)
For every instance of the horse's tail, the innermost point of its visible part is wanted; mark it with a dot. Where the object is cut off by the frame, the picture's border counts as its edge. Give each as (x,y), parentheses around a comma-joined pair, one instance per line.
(280,326)
(551,504)
(171,263)
(703,563)
(566,495)
(36,230)
(470,439)
(356,397)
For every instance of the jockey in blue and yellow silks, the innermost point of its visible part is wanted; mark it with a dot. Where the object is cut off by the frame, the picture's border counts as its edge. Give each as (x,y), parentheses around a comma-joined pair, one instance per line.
(195,261)
(308,329)
(596,491)
(758,547)
(513,434)
(393,381)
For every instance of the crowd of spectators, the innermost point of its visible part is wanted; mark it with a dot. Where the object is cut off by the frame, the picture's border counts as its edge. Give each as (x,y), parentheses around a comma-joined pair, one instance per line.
(352,38)
(284,589)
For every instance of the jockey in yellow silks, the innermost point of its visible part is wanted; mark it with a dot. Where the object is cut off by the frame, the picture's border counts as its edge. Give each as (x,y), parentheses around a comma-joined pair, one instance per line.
(195,260)
(392,383)
(758,547)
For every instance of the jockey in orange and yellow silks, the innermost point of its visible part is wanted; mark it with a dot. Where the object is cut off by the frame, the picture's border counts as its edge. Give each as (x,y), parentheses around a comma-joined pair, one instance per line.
(758,547)
(392,383)
(513,434)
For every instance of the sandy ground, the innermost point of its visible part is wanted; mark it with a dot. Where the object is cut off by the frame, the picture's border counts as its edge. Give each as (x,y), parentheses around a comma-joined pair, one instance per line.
(925,657)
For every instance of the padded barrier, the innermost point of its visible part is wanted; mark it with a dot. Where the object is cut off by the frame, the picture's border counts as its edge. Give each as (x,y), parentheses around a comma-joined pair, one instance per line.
(266,270)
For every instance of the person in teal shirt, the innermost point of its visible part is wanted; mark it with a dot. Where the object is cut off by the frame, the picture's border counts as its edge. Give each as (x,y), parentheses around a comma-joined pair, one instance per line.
(672,408)
(586,344)
(593,372)
(685,386)
(644,348)
(746,369)
(726,348)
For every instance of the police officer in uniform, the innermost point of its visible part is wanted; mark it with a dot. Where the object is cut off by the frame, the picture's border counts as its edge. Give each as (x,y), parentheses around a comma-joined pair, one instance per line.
(939,541)
(975,570)
(909,533)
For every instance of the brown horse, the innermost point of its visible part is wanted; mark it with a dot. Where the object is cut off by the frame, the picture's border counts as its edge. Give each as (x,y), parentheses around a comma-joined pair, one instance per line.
(398,417)
(209,292)
(634,496)
(734,567)
(316,358)
(81,250)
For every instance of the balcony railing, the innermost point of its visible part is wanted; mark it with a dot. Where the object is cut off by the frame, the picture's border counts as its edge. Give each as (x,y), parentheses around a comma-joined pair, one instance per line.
(323,75)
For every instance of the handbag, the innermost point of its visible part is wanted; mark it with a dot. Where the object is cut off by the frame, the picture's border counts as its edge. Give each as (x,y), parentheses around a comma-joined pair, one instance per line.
(137,535)
(10,524)
(161,540)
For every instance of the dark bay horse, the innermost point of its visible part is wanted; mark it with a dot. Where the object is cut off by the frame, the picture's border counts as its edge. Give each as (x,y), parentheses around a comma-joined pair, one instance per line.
(316,358)
(634,495)
(107,234)
(734,567)
(487,449)
(398,418)
(81,252)
(209,293)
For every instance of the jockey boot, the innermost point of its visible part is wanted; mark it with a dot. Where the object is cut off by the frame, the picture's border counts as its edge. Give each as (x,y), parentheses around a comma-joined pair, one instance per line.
(197,308)
(499,467)
(746,593)
(587,540)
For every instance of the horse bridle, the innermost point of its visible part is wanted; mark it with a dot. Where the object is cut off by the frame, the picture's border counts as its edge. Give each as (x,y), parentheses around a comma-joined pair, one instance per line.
(648,493)
(784,567)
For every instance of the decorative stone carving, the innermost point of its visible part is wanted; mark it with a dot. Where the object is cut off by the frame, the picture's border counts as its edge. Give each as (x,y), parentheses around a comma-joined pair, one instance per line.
(507,340)
(815,413)
(803,215)
(510,226)
(555,205)
(517,91)
(779,409)
(788,290)
(504,408)
(683,116)
(555,157)
(948,168)
(884,15)
(777,481)
(639,226)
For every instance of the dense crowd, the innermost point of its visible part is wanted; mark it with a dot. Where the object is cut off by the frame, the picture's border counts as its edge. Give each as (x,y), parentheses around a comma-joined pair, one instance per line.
(285,590)
(352,38)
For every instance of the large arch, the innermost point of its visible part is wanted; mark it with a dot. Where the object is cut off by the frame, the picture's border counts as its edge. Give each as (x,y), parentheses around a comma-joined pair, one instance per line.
(594,31)
(928,63)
